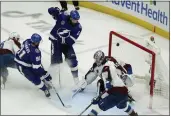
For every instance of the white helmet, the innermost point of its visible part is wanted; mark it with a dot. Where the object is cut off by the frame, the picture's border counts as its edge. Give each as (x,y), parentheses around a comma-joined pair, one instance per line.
(14,35)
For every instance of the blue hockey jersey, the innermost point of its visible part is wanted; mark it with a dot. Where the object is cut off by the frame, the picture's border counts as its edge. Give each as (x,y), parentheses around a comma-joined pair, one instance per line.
(64,31)
(29,56)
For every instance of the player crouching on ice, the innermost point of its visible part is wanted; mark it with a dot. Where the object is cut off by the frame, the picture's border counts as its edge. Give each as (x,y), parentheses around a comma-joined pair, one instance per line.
(115,93)
(63,36)
(28,60)
(8,49)
(123,70)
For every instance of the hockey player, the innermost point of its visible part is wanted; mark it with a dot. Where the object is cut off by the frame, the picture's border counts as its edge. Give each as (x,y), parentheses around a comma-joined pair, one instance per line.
(115,93)
(124,70)
(28,60)
(64,5)
(8,49)
(63,36)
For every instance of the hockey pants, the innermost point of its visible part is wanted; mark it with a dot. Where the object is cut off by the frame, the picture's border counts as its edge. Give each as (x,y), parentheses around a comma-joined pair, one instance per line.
(56,56)
(32,77)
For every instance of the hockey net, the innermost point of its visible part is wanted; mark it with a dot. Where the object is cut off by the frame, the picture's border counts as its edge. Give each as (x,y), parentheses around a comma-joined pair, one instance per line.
(132,50)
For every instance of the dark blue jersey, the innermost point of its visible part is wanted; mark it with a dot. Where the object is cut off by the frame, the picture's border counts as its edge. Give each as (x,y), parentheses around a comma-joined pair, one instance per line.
(64,30)
(30,56)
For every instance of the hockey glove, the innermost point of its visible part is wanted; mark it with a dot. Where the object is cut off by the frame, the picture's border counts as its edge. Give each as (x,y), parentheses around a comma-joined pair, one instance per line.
(95,100)
(54,11)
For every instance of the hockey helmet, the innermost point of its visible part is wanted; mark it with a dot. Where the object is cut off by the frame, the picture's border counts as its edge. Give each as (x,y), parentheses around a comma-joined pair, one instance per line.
(75,15)
(14,35)
(99,57)
(36,38)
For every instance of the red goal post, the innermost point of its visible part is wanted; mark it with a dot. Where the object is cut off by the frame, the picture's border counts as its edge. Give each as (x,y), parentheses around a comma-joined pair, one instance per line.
(113,33)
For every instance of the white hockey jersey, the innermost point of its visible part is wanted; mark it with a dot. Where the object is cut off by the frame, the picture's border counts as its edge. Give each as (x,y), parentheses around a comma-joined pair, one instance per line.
(11,45)
(96,71)
(109,72)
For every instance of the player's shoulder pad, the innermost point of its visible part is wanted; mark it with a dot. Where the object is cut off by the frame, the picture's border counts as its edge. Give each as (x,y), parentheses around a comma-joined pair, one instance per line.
(64,15)
(110,58)
(35,50)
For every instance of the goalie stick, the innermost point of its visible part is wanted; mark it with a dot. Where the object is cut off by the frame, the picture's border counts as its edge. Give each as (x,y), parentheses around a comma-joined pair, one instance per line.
(76,92)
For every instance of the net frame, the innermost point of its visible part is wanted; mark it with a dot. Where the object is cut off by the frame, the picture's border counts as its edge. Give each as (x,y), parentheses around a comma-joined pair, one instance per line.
(113,33)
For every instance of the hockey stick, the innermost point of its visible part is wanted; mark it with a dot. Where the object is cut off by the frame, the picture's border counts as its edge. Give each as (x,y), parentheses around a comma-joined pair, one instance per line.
(76,92)
(66,106)
(98,96)
(59,76)
(85,109)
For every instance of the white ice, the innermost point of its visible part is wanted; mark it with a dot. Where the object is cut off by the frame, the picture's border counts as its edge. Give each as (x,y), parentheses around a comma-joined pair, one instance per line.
(22,97)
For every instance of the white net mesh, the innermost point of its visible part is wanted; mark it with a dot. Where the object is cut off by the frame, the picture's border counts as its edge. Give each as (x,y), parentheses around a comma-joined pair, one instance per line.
(141,69)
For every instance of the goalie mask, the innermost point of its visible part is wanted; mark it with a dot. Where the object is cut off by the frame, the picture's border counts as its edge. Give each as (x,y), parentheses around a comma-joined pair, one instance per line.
(99,57)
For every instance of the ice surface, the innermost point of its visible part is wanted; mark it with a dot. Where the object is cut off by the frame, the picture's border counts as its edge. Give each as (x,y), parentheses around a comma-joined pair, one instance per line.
(22,97)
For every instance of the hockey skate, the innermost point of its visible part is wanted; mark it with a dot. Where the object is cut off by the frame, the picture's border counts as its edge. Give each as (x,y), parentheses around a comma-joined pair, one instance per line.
(77,8)
(48,84)
(133,113)
(47,93)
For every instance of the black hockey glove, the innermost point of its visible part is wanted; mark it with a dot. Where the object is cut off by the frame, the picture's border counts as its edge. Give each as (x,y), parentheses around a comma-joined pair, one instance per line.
(54,11)
(95,100)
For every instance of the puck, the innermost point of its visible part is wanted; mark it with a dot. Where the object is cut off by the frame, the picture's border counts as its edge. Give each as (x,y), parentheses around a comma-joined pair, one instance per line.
(117,44)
